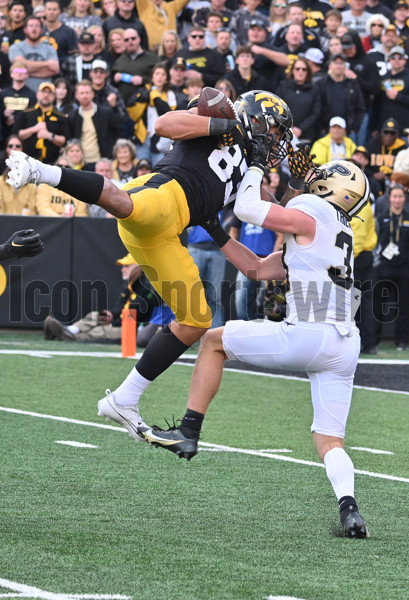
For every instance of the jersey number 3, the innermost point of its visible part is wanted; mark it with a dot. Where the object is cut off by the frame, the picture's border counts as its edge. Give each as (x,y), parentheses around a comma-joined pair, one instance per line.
(342,277)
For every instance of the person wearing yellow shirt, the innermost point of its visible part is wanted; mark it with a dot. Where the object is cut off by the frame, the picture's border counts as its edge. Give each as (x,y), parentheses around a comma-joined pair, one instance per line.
(365,240)
(158,16)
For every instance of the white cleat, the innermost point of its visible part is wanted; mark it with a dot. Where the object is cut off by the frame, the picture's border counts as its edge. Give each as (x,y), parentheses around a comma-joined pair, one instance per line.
(127,417)
(23,169)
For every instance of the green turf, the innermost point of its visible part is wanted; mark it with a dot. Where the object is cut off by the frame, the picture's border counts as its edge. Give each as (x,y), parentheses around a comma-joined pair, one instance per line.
(125,518)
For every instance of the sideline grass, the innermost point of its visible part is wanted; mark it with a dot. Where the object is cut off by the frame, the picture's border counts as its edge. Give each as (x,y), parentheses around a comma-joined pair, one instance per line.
(129,519)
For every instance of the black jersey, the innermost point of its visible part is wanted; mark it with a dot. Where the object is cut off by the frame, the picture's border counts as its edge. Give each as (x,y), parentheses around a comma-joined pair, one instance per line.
(209,175)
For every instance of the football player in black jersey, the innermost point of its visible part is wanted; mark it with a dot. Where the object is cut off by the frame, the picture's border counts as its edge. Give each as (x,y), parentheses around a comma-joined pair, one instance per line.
(193,181)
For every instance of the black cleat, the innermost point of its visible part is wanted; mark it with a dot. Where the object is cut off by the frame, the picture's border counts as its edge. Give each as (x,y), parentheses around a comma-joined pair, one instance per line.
(353,522)
(172,439)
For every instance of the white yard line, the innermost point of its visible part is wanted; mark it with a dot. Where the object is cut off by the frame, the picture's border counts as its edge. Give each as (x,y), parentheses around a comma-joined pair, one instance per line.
(206,445)
(371,450)
(75,444)
(28,591)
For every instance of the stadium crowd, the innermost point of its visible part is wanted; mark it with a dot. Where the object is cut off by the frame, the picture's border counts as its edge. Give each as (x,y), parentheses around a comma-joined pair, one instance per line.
(83,83)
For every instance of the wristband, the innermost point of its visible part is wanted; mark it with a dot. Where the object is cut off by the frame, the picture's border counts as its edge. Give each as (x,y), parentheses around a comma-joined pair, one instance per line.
(126,77)
(219,126)
(220,236)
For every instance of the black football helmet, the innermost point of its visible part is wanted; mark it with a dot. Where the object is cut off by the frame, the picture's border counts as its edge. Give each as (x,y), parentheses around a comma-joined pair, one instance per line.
(259,111)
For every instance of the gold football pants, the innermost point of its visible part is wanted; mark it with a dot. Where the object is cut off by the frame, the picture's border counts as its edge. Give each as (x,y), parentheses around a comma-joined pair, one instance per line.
(151,234)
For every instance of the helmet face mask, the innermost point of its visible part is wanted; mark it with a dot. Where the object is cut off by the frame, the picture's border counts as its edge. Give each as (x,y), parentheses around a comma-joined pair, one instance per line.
(342,183)
(259,111)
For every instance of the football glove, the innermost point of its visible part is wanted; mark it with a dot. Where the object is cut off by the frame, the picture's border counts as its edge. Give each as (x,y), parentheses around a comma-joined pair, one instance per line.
(299,162)
(22,243)
(229,131)
(259,152)
(216,231)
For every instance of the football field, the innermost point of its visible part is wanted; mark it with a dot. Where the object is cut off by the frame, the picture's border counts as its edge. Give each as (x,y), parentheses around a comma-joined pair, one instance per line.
(86,513)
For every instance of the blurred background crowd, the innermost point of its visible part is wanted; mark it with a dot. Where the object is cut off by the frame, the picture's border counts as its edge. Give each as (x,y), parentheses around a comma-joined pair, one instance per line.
(82,84)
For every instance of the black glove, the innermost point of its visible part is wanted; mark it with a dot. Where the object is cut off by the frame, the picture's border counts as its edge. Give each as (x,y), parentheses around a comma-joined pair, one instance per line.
(229,131)
(299,162)
(259,152)
(22,243)
(142,95)
(216,231)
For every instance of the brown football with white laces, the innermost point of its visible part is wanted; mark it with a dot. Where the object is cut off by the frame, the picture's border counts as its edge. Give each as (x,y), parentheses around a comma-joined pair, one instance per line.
(213,103)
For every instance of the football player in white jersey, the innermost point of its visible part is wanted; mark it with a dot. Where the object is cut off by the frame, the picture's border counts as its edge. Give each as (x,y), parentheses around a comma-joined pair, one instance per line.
(317,261)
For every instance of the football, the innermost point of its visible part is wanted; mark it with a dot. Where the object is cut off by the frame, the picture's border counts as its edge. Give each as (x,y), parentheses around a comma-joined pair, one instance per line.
(213,103)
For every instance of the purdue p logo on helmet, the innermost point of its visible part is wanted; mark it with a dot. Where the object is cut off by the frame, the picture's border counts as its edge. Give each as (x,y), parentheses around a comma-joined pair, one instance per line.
(341,183)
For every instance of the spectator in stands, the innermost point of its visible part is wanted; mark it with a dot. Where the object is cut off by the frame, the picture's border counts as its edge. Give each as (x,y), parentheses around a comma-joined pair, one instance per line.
(365,72)
(125,161)
(15,98)
(394,95)
(143,167)
(158,16)
(65,38)
(177,81)
(361,158)
(296,16)
(341,96)
(126,17)
(116,44)
(383,150)
(393,264)
(334,47)
(334,146)
(99,44)
(303,98)
(277,15)
(365,240)
(103,167)
(40,58)
(377,7)
(224,43)
(144,108)
(356,17)
(240,22)
(333,19)
(51,202)
(200,15)
(133,68)
(380,55)
(268,59)
(80,15)
(375,27)
(42,129)
(105,326)
(213,25)
(106,94)
(315,58)
(225,86)
(169,45)
(108,8)
(64,96)
(96,126)
(401,164)
(75,152)
(12,202)
(400,20)
(77,68)
(202,61)
(194,86)
(15,30)
(244,78)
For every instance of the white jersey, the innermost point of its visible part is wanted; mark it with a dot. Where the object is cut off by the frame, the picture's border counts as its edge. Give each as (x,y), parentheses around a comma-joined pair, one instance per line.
(320,274)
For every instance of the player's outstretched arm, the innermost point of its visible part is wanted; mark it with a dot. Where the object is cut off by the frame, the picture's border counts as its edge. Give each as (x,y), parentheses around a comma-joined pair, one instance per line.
(22,243)
(187,125)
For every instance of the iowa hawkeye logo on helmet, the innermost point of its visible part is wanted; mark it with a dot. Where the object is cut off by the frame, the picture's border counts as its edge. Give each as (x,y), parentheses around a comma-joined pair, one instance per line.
(268,100)
(341,183)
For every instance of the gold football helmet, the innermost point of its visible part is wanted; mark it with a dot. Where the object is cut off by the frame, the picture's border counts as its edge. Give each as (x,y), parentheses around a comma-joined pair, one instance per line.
(341,183)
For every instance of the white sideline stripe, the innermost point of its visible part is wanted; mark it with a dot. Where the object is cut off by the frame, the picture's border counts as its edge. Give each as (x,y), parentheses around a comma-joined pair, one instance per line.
(205,444)
(281,598)
(27,591)
(372,450)
(45,354)
(75,444)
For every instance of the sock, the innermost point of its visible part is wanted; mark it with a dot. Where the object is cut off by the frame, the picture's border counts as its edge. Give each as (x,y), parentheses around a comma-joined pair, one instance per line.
(192,424)
(340,472)
(161,352)
(130,390)
(50,174)
(83,185)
